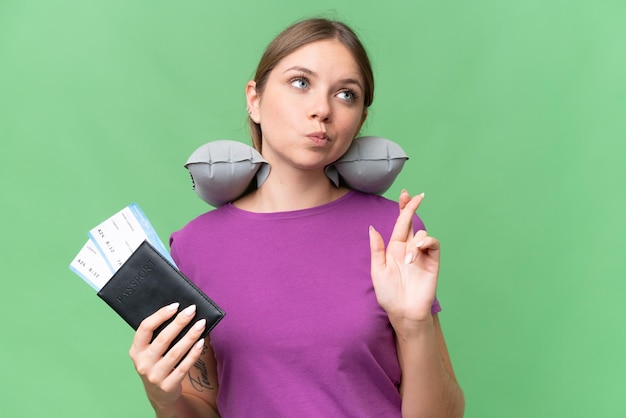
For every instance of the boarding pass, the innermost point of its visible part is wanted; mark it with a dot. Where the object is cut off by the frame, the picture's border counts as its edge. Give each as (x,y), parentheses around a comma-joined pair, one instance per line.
(110,243)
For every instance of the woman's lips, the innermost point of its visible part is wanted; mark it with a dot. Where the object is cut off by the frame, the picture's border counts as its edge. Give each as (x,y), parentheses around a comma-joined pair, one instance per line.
(318,138)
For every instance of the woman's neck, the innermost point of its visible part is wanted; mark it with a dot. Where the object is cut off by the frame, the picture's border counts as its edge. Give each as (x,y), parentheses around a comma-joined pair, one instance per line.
(283,192)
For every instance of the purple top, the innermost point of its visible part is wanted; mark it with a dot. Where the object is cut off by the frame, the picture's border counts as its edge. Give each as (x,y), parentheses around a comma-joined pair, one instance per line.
(303,334)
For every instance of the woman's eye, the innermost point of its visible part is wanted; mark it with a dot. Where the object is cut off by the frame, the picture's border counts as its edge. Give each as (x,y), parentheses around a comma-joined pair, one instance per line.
(347,95)
(300,83)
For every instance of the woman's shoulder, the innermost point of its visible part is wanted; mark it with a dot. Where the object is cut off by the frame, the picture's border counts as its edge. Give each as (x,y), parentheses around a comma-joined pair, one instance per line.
(380,209)
(372,201)
(207,220)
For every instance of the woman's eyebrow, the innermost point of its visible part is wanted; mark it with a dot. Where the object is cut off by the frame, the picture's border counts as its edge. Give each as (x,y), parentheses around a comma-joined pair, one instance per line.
(301,69)
(312,73)
(351,81)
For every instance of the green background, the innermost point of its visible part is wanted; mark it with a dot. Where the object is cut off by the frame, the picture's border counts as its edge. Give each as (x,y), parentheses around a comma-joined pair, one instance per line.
(513,114)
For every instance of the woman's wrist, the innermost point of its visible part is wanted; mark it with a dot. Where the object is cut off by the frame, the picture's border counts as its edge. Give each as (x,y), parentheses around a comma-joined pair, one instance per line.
(409,328)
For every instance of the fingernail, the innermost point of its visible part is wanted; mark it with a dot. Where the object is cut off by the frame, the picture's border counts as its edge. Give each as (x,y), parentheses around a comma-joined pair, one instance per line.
(422,194)
(200,344)
(419,244)
(408,259)
(172,307)
(190,310)
(200,324)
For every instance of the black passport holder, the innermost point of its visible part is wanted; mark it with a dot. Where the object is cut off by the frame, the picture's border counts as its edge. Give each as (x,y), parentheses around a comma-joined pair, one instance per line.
(147,282)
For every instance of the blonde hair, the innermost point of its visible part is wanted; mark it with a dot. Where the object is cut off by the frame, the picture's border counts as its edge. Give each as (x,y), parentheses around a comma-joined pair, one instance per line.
(303,33)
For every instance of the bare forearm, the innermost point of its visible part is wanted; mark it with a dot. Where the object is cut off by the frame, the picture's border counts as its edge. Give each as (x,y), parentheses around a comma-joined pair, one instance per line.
(428,387)
(186,407)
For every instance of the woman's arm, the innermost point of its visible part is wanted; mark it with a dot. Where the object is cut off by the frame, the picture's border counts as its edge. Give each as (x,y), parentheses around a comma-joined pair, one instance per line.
(428,386)
(181,383)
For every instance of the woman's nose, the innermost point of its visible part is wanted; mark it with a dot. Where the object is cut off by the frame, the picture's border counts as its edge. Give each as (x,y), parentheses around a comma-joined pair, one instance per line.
(320,108)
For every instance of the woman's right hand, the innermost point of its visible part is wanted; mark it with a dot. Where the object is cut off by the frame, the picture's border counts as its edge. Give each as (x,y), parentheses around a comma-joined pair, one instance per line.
(162,373)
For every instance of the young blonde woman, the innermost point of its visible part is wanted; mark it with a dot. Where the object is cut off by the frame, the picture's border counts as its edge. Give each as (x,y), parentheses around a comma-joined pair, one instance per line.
(329,292)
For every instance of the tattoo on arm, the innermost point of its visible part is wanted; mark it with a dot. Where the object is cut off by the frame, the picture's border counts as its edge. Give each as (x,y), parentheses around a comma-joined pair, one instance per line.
(200,382)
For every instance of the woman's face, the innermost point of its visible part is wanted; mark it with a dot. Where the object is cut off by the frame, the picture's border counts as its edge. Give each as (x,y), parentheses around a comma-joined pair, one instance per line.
(311,107)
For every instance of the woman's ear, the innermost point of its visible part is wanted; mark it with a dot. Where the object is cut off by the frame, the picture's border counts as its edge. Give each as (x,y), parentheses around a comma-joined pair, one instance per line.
(252,101)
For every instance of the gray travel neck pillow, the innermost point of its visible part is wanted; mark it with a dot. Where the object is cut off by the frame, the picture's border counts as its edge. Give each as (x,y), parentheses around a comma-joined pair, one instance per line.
(222,171)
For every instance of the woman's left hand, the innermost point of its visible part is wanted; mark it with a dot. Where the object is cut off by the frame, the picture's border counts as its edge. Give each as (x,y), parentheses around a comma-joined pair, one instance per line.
(405,274)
